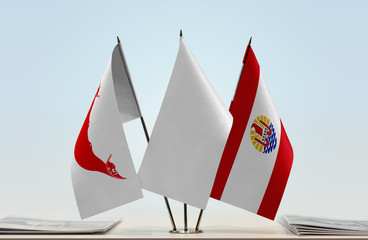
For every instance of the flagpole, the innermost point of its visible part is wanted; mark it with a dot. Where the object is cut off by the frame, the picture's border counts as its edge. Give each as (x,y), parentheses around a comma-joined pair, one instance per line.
(245,58)
(185,218)
(145,129)
(165,198)
(185,205)
(199,220)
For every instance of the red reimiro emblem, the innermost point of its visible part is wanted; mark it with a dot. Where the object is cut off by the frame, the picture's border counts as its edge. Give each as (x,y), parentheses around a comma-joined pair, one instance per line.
(84,154)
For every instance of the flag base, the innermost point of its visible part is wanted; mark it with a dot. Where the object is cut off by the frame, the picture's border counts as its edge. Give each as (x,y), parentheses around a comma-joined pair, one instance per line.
(182,231)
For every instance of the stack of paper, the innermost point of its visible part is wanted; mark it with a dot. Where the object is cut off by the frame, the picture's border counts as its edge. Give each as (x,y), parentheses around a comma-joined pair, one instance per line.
(43,226)
(322,226)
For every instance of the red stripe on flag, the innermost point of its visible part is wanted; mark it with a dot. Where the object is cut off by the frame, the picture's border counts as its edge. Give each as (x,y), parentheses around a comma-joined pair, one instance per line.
(279,177)
(240,108)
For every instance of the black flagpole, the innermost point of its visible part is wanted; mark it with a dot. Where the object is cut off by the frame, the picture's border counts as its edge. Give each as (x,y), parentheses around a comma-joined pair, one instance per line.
(245,59)
(146,134)
(165,198)
(185,205)
(185,218)
(199,220)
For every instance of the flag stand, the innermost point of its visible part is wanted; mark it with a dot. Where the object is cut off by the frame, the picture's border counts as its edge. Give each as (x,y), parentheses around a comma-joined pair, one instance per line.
(186,230)
(146,133)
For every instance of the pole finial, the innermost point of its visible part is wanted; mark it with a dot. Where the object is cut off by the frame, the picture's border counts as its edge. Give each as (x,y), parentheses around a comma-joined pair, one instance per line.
(250,41)
(181,33)
(118,39)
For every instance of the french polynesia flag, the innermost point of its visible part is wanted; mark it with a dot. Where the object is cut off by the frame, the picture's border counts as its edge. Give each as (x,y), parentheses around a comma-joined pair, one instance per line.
(258,156)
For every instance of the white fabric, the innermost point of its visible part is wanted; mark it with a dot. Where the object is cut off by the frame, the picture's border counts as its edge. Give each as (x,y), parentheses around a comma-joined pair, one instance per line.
(188,138)
(124,91)
(252,169)
(96,192)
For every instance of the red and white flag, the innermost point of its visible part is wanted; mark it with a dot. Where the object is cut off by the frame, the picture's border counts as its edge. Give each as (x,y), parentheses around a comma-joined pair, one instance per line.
(258,156)
(103,173)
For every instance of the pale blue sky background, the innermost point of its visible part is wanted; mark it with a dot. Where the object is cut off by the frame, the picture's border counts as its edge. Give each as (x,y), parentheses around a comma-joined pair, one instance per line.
(313,55)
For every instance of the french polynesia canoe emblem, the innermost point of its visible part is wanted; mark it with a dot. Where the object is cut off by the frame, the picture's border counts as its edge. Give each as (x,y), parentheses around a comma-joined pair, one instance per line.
(263,135)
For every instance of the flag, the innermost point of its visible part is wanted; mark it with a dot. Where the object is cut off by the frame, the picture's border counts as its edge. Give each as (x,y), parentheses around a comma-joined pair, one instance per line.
(257,158)
(103,173)
(188,137)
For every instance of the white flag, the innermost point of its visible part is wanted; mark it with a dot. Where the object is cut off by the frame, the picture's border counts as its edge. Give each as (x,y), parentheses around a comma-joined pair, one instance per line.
(103,173)
(188,138)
